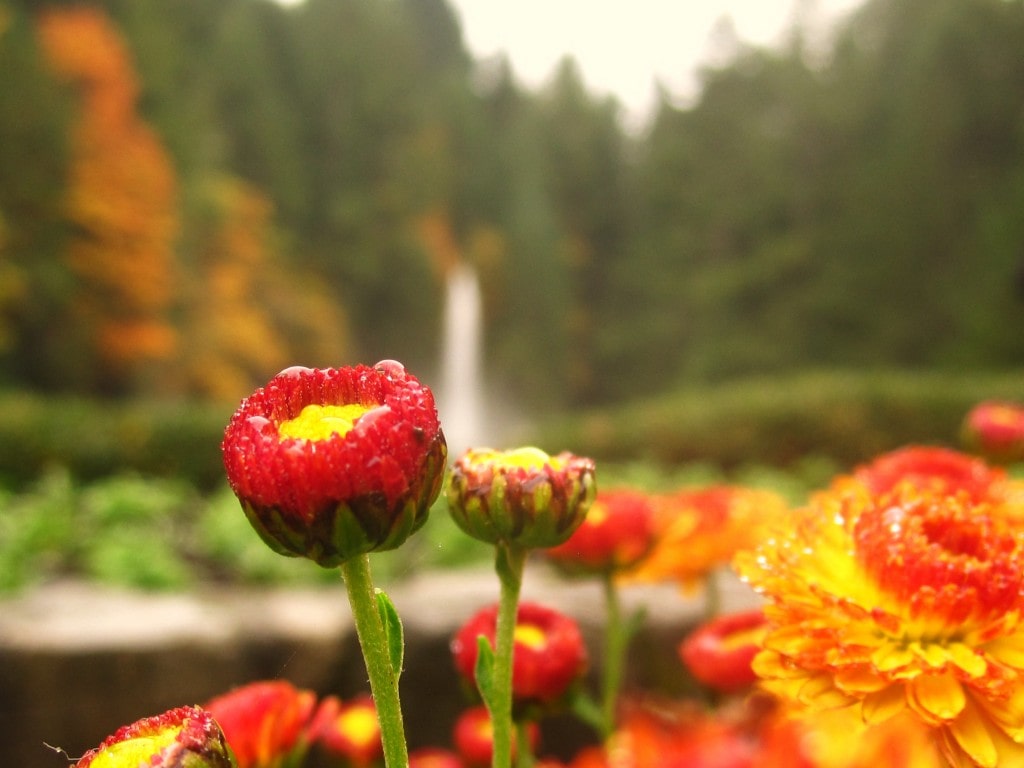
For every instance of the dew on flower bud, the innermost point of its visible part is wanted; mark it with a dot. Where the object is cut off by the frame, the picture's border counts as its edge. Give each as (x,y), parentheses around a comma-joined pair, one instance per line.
(258,423)
(365,421)
(295,372)
(391,368)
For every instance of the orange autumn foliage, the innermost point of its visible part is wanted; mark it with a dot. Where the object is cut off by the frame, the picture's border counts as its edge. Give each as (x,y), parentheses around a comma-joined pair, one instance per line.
(231,338)
(120,199)
(246,315)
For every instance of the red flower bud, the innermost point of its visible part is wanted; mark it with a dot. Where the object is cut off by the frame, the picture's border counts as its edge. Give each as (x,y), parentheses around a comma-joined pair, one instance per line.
(548,655)
(521,496)
(187,737)
(617,533)
(331,464)
(719,653)
(265,722)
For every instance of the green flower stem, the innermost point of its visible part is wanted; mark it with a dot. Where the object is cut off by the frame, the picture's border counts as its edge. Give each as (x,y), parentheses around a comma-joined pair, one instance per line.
(374,644)
(616,640)
(524,750)
(510,561)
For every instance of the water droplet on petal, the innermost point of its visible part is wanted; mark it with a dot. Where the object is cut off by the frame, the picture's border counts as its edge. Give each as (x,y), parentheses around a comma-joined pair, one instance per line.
(295,372)
(365,421)
(391,368)
(258,423)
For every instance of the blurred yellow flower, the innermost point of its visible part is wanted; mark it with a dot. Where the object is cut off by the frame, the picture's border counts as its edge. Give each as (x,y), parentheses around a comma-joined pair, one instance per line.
(698,530)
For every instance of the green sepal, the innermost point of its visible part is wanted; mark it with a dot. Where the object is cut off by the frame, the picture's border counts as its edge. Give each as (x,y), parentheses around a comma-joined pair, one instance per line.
(484,671)
(393,631)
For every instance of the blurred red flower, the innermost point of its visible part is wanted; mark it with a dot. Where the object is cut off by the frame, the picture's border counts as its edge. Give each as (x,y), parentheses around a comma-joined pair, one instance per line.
(547,658)
(617,533)
(434,757)
(265,722)
(348,729)
(473,736)
(719,653)
(996,430)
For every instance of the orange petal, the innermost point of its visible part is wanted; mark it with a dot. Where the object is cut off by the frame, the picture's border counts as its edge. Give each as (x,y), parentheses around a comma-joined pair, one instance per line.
(971,732)
(882,705)
(940,696)
(859,680)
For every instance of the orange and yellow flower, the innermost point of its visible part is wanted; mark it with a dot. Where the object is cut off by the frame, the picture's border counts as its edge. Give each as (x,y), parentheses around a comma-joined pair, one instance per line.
(334,463)
(900,590)
(698,530)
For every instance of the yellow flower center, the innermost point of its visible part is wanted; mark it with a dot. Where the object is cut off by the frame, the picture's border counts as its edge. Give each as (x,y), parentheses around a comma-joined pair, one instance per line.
(135,751)
(530,635)
(597,514)
(320,422)
(359,724)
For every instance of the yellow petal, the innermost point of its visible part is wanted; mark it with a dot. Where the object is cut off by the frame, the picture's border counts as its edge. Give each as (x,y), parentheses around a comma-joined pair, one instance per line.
(932,654)
(819,692)
(971,732)
(967,659)
(769,664)
(883,704)
(890,657)
(940,696)
(1008,650)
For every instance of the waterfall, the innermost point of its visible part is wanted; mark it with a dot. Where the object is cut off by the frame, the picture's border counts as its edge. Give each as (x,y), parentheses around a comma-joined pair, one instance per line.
(460,398)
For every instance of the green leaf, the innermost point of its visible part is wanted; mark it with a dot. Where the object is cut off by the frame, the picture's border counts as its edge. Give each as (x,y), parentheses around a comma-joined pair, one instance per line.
(633,624)
(484,670)
(587,710)
(392,631)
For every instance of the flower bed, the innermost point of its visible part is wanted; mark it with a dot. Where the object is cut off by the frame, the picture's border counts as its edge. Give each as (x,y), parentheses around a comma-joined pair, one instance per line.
(890,629)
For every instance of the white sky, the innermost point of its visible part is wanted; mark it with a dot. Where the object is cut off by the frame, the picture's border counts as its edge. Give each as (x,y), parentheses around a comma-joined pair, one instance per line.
(623,46)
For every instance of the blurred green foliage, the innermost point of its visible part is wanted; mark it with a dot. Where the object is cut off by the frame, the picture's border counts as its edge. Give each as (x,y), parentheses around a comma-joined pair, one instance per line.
(96,438)
(83,498)
(850,207)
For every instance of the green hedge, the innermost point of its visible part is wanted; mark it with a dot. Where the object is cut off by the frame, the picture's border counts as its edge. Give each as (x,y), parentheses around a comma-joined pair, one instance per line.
(846,417)
(95,439)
